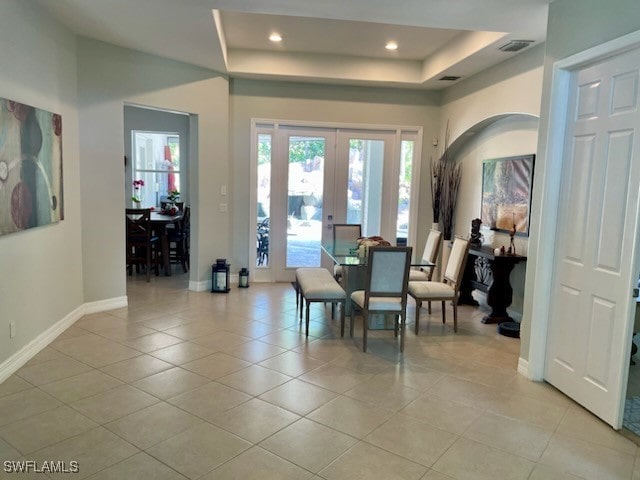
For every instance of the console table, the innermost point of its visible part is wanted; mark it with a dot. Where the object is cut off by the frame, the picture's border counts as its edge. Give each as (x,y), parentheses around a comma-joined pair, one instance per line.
(489,273)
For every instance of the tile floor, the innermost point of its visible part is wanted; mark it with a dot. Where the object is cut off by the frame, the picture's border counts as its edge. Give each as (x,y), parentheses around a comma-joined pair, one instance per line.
(203,386)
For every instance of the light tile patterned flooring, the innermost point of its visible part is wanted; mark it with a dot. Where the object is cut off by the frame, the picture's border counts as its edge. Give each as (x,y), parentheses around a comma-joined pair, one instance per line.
(207,386)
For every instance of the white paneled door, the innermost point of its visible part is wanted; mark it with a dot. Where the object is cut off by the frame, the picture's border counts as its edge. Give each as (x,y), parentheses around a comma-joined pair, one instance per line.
(589,337)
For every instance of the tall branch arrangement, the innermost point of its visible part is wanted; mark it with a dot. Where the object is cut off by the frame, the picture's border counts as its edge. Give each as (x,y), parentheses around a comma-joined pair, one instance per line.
(437,173)
(445,183)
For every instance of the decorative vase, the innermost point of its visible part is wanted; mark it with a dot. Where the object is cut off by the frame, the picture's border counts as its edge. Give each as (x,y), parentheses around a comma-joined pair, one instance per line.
(135,204)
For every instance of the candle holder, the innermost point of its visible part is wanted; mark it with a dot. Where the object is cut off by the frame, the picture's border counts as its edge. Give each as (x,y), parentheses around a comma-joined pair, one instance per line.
(220,276)
(243,278)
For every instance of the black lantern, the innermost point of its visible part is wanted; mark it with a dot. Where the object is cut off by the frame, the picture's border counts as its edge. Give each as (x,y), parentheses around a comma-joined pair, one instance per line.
(220,276)
(243,278)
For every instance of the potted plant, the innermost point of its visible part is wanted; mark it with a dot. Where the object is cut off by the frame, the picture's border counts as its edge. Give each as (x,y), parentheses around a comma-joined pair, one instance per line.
(136,198)
(170,205)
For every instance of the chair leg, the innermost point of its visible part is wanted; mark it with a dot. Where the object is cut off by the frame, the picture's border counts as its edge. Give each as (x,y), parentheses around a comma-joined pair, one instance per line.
(333,311)
(396,319)
(307,318)
(148,249)
(429,307)
(301,305)
(157,261)
(351,320)
(455,317)
(444,312)
(365,327)
(403,325)
(342,308)
(418,306)
(183,259)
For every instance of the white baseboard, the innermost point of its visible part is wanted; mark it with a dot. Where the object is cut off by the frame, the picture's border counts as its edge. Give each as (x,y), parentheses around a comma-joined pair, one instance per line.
(523,367)
(205,285)
(202,286)
(26,353)
(31,349)
(517,316)
(104,305)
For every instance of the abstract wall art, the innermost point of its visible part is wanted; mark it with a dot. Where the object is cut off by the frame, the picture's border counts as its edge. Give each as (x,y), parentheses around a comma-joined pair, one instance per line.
(30,167)
(506,193)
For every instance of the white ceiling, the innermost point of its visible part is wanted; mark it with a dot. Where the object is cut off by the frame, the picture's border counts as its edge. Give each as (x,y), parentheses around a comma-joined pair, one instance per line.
(333,41)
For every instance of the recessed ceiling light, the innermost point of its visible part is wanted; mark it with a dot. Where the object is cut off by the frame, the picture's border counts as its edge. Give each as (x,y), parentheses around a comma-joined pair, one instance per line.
(275,37)
(391,46)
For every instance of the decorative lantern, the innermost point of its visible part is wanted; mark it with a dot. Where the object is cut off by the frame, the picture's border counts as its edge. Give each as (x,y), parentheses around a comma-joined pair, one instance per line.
(220,276)
(243,278)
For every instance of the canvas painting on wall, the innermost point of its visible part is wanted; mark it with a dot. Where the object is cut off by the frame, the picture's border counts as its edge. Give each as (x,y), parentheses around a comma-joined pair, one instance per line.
(506,193)
(30,167)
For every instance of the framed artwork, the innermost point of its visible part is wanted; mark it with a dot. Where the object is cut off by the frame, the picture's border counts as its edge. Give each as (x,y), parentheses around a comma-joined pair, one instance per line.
(506,193)
(30,167)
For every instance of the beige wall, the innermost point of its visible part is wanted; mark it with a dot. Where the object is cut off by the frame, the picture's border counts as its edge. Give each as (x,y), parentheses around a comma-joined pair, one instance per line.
(574,26)
(109,77)
(41,268)
(513,86)
(321,103)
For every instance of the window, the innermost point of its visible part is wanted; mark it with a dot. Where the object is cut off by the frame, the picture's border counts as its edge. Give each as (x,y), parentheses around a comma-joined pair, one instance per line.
(156,161)
(404,191)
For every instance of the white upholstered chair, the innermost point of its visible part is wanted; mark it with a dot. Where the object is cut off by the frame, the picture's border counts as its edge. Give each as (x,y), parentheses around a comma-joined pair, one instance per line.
(448,289)
(430,254)
(385,289)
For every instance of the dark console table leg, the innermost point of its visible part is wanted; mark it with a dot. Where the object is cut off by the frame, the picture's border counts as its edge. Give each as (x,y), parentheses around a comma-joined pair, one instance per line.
(500,292)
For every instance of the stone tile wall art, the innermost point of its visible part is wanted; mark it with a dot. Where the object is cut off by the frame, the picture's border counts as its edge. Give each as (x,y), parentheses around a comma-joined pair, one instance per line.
(30,167)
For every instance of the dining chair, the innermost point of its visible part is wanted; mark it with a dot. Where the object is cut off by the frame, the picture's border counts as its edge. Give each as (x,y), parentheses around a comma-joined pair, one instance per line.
(142,245)
(345,238)
(429,255)
(178,239)
(448,289)
(385,289)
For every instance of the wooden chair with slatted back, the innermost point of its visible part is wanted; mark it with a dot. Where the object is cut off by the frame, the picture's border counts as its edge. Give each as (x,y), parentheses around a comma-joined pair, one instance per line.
(142,245)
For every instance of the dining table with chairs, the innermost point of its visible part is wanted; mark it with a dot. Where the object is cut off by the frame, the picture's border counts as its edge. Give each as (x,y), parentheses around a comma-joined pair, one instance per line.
(353,267)
(148,231)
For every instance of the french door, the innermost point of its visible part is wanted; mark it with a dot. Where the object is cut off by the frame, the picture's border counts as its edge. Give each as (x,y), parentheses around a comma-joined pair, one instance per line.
(310,178)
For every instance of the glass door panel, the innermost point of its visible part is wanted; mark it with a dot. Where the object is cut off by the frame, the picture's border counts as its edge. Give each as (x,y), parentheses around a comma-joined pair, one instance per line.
(364,187)
(305,196)
(263,206)
(363,193)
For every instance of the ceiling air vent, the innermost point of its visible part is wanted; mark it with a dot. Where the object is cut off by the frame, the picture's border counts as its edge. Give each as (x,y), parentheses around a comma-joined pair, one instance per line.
(515,45)
(449,78)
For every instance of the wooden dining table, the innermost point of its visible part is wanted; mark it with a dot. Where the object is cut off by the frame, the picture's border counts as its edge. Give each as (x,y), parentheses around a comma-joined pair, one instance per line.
(159,223)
